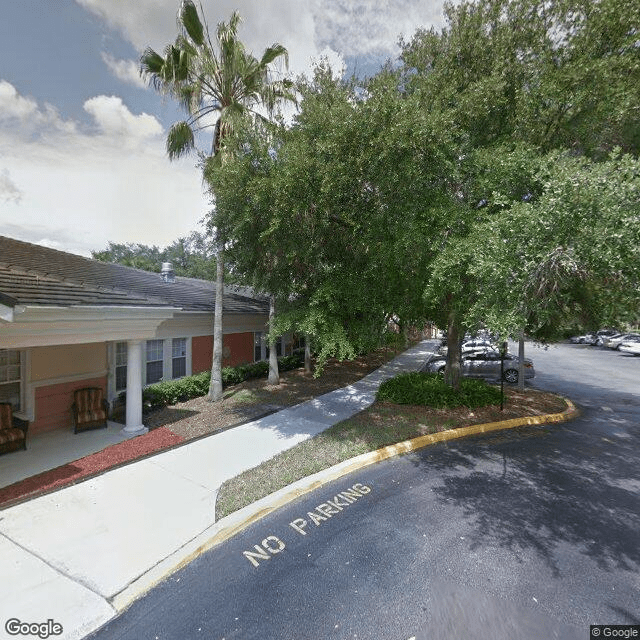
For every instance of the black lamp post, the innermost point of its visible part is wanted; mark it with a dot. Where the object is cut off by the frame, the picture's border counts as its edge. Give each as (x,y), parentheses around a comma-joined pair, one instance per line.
(503,351)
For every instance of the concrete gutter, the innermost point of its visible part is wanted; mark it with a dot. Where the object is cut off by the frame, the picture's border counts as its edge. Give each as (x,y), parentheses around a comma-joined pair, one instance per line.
(233,524)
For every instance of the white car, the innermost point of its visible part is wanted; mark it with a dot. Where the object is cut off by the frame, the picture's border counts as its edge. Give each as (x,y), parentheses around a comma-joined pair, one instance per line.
(630,347)
(470,346)
(615,341)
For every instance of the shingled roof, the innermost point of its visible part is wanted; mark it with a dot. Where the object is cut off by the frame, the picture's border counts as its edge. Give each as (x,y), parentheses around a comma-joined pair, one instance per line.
(34,275)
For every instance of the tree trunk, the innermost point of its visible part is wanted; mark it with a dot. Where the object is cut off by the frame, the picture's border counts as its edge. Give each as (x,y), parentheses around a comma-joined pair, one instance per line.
(215,386)
(521,363)
(307,353)
(405,335)
(274,376)
(454,358)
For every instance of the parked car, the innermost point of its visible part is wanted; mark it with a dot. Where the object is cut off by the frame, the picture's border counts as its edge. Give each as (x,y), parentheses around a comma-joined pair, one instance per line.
(472,345)
(615,341)
(602,335)
(594,338)
(605,341)
(578,339)
(632,347)
(486,364)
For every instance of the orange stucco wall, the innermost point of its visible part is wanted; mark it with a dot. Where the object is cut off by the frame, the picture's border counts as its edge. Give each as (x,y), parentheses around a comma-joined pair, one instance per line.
(53,404)
(201,353)
(238,346)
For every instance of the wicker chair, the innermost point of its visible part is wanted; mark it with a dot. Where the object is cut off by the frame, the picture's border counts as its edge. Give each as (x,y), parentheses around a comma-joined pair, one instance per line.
(89,409)
(13,431)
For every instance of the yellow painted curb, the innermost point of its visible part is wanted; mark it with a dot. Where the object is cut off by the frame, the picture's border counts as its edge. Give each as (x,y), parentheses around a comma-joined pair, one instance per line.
(236,522)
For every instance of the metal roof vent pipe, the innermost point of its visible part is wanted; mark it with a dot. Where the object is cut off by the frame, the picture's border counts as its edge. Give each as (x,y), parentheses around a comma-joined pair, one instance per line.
(167,273)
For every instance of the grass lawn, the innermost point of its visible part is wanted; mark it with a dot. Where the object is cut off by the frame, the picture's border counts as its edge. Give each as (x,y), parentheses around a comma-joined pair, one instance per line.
(380,425)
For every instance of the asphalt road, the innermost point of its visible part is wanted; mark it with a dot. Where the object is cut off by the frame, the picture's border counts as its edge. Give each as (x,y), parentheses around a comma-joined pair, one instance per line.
(527,534)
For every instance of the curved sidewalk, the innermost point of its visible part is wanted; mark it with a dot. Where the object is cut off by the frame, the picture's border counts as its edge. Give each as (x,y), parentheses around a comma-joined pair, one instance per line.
(66,555)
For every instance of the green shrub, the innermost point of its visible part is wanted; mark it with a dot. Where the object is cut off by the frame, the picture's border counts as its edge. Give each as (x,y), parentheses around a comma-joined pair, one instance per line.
(172,391)
(429,389)
(235,375)
(294,361)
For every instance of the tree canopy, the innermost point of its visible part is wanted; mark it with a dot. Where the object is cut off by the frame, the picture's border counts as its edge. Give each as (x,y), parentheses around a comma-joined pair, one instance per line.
(191,256)
(459,186)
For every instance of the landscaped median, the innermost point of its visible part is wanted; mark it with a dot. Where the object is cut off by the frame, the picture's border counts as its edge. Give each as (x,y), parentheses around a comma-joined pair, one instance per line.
(390,428)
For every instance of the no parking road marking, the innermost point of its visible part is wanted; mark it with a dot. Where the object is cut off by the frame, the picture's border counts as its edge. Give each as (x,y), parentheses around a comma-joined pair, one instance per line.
(272,545)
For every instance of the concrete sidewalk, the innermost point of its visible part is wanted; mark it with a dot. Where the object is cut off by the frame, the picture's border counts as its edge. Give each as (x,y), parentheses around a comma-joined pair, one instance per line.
(66,556)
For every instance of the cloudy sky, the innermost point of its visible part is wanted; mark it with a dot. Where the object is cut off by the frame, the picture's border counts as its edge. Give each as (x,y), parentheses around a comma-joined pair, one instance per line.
(82,158)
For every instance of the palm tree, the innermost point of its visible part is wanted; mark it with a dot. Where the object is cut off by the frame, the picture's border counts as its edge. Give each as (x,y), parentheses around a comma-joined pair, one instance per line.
(218,86)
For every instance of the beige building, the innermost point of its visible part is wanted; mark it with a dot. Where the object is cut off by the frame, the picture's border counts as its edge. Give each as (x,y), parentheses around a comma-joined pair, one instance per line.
(68,322)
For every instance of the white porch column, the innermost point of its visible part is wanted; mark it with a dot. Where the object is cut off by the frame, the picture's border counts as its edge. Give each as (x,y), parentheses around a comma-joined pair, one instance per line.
(134,388)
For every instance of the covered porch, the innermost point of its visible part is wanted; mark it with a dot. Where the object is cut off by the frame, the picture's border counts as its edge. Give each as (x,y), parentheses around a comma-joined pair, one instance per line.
(51,449)
(53,352)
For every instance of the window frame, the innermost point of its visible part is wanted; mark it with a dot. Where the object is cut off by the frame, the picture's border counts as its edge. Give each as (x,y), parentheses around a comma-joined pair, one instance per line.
(20,380)
(120,366)
(117,361)
(182,357)
(259,346)
(154,361)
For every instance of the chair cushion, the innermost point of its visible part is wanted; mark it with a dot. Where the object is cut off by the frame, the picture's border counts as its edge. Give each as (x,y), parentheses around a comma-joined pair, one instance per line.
(6,421)
(89,405)
(11,435)
(92,416)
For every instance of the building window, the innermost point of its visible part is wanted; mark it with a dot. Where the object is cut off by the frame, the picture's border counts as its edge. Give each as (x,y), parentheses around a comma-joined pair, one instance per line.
(257,346)
(11,378)
(179,357)
(155,356)
(260,340)
(298,343)
(121,366)
(160,362)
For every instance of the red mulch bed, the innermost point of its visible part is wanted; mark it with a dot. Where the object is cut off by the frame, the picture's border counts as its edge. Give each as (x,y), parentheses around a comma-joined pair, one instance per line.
(72,472)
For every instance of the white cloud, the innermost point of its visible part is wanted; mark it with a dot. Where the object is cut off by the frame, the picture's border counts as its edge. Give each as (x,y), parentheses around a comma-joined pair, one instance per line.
(80,188)
(16,111)
(125,70)
(356,27)
(116,121)
(9,192)
(143,23)
(335,61)
(361,27)
(13,105)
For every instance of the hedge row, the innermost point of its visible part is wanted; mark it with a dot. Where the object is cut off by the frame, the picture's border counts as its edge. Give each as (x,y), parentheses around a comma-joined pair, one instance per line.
(431,390)
(172,391)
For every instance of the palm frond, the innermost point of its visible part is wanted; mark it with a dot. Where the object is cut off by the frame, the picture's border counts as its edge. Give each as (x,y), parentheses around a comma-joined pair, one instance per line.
(151,61)
(234,22)
(152,69)
(180,140)
(184,44)
(272,53)
(191,22)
